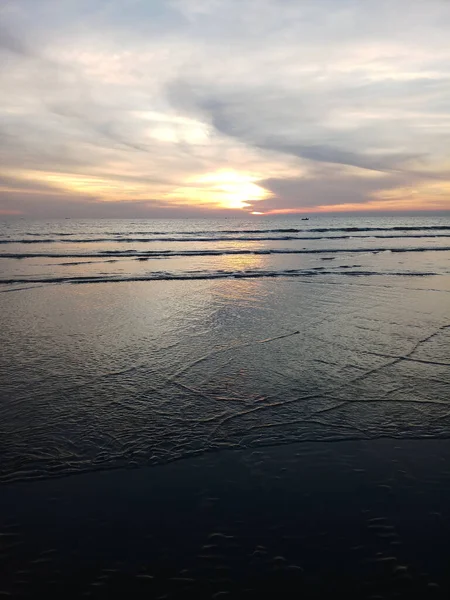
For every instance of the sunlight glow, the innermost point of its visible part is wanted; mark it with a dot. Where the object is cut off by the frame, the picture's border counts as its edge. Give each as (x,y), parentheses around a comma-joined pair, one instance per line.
(103,188)
(227,189)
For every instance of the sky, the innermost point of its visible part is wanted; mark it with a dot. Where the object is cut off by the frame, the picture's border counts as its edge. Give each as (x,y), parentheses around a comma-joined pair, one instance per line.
(174,108)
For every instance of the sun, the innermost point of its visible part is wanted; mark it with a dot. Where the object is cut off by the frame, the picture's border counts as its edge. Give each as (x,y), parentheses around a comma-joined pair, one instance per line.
(227,189)
(238,194)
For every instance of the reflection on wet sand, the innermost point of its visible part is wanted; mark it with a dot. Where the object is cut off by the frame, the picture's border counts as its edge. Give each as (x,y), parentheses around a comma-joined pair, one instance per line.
(151,373)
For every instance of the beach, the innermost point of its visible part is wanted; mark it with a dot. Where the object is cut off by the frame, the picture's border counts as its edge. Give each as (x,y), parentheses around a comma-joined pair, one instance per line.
(225,409)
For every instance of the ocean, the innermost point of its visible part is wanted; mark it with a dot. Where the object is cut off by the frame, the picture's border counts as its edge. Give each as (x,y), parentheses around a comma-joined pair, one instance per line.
(229,408)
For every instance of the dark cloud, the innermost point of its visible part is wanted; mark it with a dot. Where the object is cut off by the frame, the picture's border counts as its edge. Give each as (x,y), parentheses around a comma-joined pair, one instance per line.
(327,188)
(328,154)
(276,126)
(12,43)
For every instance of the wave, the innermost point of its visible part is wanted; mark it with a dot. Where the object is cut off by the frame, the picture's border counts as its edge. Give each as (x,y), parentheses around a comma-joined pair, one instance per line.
(148,254)
(308,229)
(195,275)
(227,238)
(257,231)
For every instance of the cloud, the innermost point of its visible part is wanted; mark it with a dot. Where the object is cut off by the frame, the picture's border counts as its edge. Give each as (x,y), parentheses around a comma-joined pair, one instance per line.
(349,126)
(329,187)
(41,204)
(10,43)
(135,103)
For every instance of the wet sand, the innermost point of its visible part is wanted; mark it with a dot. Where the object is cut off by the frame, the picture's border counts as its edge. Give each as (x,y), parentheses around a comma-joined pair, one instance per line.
(364,519)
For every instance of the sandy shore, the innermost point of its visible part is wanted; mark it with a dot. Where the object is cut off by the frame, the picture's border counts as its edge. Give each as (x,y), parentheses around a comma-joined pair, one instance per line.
(365,519)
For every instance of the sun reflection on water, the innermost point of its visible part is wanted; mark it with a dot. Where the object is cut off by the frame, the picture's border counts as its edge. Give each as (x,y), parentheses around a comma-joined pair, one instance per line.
(242,262)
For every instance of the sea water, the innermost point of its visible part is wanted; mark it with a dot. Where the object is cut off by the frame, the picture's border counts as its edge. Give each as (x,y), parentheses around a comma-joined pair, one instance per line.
(288,362)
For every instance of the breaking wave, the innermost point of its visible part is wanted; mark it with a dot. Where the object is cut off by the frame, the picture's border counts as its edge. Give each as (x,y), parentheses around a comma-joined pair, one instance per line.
(220,252)
(257,231)
(220,274)
(219,237)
